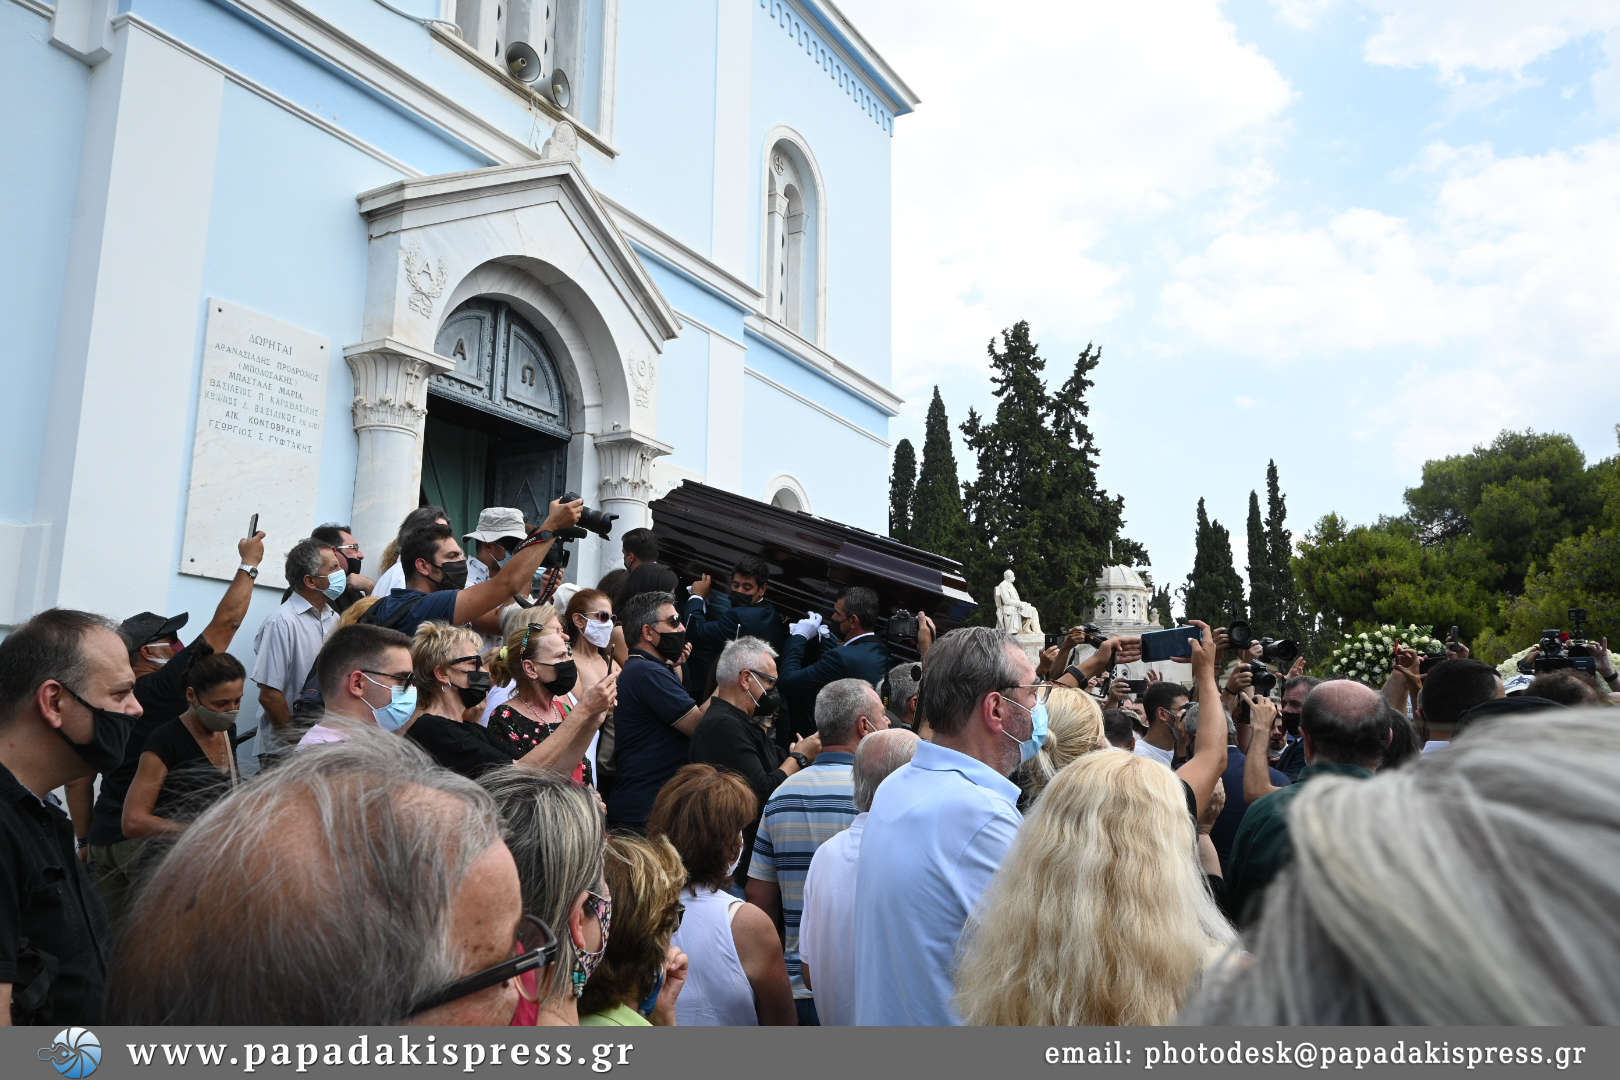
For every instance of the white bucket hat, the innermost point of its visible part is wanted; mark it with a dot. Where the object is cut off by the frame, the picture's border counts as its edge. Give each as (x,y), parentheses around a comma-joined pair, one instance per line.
(498,522)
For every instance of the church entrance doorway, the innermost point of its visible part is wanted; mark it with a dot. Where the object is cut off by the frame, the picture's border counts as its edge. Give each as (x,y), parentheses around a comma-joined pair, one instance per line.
(497,425)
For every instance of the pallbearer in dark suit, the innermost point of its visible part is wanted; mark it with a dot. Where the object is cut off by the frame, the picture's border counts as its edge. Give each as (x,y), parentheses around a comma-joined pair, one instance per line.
(861,656)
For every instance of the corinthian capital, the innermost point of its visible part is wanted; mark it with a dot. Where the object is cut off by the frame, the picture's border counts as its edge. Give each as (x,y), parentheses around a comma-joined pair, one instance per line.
(626,459)
(390,384)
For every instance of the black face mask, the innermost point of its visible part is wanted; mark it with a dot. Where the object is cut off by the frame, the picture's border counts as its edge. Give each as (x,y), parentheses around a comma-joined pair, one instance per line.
(670,644)
(567,676)
(476,690)
(455,574)
(743,599)
(767,703)
(105,750)
(353,564)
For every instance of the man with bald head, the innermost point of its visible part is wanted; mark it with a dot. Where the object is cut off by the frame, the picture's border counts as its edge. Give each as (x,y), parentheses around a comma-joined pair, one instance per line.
(1345,727)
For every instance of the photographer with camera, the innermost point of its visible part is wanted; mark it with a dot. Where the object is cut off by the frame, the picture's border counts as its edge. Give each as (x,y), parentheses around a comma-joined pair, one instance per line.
(1110,653)
(436,585)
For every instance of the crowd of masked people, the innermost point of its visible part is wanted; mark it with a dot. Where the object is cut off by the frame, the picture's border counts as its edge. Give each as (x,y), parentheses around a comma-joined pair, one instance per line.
(479,797)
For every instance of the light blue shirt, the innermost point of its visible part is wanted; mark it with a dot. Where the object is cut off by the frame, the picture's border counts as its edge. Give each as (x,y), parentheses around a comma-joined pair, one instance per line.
(938,831)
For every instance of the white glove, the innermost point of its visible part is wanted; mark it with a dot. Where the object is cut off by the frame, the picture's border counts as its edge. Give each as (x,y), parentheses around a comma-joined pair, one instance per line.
(808,627)
(825,630)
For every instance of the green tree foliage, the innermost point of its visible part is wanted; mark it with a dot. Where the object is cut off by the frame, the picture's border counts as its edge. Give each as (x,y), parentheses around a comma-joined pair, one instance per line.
(1160,606)
(1214,592)
(938,523)
(1280,558)
(1035,504)
(1520,496)
(1264,614)
(902,486)
(1500,542)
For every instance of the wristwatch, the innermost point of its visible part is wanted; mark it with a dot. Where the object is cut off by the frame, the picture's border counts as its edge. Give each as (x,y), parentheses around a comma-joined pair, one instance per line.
(250,571)
(804,762)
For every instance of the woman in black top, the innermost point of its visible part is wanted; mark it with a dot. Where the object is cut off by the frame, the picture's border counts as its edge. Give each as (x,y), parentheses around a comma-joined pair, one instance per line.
(541,665)
(189,762)
(451,683)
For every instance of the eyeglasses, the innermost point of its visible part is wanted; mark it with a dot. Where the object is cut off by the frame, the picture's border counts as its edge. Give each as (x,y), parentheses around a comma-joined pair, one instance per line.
(353,548)
(597,616)
(674,625)
(768,680)
(475,660)
(535,947)
(405,678)
(1042,691)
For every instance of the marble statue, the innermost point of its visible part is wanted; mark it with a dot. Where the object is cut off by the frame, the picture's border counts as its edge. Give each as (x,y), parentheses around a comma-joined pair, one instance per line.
(1012,614)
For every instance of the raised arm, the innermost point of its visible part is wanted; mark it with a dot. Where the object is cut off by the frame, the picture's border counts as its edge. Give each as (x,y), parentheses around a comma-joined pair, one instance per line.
(561,752)
(515,577)
(1203,770)
(1257,767)
(233,606)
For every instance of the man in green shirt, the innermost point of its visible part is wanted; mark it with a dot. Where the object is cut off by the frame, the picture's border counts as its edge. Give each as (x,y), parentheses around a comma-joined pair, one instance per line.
(1346,727)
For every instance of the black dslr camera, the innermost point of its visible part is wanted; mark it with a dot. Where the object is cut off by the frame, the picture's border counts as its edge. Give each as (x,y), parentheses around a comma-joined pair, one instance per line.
(1264,680)
(1089,635)
(1564,648)
(590,521)
(901,626)
(1275,650)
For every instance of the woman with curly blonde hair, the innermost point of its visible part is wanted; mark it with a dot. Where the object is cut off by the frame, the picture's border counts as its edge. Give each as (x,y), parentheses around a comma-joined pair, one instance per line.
(642,973)
(1076,728)
(1100,914)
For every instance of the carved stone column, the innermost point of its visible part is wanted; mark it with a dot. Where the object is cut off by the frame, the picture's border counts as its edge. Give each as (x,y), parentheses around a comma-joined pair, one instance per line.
(390,407)
(626,461)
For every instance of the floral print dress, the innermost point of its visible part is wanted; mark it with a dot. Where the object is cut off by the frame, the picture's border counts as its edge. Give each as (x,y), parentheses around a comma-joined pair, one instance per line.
(517,733)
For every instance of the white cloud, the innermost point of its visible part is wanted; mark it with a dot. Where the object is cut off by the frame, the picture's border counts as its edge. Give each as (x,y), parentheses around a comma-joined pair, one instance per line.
(1488,35)
(1043,131)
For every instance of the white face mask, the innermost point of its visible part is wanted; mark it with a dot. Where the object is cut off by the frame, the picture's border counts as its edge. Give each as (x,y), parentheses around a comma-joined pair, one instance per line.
(598,633)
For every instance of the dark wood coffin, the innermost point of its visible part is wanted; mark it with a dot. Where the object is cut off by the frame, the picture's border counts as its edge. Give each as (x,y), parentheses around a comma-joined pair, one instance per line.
(703,530)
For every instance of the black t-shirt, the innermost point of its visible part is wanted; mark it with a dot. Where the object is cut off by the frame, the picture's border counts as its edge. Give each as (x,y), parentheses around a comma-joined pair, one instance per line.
(462,748)
(47,904)
(648,749)
(162,695)
(194,782)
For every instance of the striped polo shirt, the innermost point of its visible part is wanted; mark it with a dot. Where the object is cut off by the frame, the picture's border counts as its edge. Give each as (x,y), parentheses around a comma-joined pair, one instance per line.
(808,809)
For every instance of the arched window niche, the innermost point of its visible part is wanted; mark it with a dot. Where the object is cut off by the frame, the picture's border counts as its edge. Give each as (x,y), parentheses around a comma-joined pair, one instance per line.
(794,239)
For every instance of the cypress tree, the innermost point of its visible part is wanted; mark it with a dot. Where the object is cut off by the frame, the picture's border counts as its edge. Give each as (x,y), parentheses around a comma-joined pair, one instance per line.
(902,486)
(938,522)
(1280,560)
(1262,598)
(1160,606)
(1214,592)
(1035,505)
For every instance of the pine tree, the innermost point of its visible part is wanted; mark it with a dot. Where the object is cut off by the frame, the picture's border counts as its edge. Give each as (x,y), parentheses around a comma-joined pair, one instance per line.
(902,486)
(1280,560)
(1214,592)
(1263,611)
(1035,505)
(938,521)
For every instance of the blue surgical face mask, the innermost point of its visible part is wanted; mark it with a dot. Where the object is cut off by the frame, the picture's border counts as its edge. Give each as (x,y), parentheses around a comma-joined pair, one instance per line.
(336,582)
(1031,746)
(397,713)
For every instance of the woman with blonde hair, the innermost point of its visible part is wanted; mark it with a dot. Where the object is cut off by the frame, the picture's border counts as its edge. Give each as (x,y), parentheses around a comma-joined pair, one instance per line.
(1100,914)
(1076,728)
(450,681)
(541,667)
(641,976)
(514,617)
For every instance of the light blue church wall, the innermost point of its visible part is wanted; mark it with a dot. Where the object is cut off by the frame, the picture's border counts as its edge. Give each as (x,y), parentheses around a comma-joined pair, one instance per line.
(44,91)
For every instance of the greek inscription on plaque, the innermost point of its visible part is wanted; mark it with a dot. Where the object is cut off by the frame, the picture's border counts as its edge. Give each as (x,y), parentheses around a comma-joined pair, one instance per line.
(261,411)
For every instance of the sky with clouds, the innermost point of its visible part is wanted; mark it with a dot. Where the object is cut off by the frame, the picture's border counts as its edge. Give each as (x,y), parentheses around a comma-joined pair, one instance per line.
(1349,235)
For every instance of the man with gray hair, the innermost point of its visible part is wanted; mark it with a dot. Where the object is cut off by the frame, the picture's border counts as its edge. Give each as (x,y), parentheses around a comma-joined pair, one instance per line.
(733,733)
(900,694)
(826,928)
(808,810)
(939,829)
(289,640)
(358,885)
